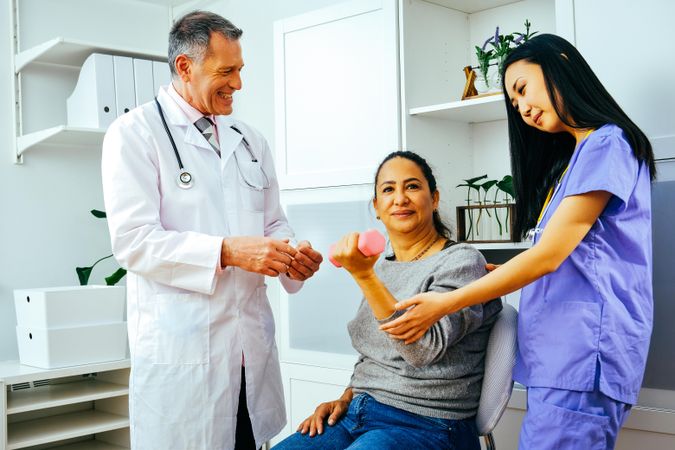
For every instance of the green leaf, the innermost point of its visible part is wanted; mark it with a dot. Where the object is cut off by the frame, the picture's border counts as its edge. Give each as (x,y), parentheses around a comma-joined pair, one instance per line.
(115,277)
(98,214)
(488,184)
(506,185)
(471,181)
(83,274)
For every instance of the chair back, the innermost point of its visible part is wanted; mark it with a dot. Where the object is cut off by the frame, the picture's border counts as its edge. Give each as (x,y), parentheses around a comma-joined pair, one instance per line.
(500,358)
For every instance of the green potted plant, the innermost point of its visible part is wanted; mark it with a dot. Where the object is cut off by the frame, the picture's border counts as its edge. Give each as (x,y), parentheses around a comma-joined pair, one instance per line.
(83,273)
(470,185)
(502,45)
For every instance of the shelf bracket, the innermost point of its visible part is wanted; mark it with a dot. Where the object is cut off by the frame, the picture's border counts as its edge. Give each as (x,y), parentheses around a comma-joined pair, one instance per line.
(16,80)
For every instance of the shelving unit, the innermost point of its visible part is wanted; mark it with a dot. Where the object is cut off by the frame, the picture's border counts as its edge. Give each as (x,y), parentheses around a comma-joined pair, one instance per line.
(483,109)
(66,426)
(68,52)
(61,135)
(89,445)
(503,246)
(63,394)
(53,50)
(71,52)
(49,406)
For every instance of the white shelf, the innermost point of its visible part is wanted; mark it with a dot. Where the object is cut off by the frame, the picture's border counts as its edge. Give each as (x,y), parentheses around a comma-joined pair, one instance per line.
(61,136)
(12,372)
(503,246)
(89,445)
(62,394)
(483,109)
(65,426)
(72,52)
(472,6)
(168,2)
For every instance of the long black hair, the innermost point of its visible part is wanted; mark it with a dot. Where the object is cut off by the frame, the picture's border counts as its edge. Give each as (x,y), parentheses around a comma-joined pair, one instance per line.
(581,101)
(440,227)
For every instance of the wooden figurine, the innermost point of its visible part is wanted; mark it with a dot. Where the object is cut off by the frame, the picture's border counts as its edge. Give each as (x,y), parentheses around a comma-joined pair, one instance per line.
(469,88)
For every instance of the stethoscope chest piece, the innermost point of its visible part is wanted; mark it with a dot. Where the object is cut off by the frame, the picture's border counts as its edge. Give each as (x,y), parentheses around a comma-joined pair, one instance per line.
(185,180)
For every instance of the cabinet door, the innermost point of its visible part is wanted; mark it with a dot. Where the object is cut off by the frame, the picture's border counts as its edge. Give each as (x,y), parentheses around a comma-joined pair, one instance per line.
(337,108)
(313,321)
(305,387)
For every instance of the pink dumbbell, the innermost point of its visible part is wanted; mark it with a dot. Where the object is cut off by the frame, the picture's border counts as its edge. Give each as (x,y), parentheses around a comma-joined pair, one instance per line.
(371,243)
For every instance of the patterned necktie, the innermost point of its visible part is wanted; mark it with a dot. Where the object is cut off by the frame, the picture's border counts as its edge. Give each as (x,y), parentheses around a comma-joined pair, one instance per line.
(205,126)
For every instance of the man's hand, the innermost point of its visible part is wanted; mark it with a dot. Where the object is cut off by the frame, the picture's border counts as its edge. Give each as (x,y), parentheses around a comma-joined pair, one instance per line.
(305,262)
(262,255)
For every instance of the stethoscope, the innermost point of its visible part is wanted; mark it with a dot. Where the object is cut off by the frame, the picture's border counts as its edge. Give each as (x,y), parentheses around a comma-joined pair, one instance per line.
(185,178)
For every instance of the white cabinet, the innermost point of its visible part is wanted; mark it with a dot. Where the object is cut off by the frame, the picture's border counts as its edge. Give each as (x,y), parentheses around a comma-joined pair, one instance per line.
(313,322)
(306,386)
(82,407)
(50,42)
(433,41)
(336,87)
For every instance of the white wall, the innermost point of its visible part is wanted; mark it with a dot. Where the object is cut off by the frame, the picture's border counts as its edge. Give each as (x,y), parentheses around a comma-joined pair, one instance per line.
(46,229)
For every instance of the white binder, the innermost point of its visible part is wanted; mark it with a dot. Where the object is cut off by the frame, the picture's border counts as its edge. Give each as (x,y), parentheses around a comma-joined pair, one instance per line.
(92,103)
(144,85)
(125,95)
(161,74)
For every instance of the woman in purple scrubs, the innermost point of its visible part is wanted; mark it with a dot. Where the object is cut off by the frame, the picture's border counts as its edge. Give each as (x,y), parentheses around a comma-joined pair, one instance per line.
(582,171)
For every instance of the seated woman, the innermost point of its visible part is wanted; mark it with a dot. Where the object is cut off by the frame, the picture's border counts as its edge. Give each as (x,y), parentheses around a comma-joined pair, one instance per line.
(418,396)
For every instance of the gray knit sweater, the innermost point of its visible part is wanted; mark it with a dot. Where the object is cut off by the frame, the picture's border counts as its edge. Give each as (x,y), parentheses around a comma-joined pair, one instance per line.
(441,374)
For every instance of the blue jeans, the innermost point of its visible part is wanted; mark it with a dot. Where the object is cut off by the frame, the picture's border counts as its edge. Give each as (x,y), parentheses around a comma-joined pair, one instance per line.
(369,425)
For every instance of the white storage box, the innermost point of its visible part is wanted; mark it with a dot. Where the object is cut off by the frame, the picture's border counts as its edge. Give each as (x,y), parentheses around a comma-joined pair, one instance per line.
(61,347)
(70,306)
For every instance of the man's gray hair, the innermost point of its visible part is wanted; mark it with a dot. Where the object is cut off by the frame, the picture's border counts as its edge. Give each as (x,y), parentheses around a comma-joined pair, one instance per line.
(191,33)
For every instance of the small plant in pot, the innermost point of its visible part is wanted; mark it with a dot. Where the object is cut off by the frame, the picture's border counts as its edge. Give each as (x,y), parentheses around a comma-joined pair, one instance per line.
(83,273)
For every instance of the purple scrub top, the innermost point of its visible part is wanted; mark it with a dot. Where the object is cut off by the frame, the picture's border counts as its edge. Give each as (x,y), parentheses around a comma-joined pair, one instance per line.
(596,308)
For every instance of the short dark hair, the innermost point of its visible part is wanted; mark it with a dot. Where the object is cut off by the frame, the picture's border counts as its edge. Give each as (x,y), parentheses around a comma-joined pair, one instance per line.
(440,227)
(191,34)
(581,101)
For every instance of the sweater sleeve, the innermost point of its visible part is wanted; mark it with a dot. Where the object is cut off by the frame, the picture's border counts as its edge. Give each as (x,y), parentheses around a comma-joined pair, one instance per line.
(461,267)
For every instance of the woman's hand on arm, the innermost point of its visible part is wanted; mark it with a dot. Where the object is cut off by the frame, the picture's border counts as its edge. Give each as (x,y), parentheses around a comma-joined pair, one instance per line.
(569,225)
(361,268)
(425,310)
(333,410)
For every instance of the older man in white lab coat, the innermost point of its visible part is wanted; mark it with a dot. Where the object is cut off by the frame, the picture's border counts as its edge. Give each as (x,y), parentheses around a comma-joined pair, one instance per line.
(194,215)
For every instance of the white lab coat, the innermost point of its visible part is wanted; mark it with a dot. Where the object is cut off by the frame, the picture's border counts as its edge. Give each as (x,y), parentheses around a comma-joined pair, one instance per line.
(189,325)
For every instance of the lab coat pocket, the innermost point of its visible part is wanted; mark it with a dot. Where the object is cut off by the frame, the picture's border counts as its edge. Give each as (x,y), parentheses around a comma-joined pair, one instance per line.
(251,223)
(251,182)
(182,329)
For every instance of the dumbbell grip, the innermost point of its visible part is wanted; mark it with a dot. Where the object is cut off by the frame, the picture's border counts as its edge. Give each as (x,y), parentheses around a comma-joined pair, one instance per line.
(371,243)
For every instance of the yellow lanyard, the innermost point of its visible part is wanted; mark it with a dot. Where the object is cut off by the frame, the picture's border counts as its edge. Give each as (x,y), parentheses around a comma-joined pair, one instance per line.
(551,190)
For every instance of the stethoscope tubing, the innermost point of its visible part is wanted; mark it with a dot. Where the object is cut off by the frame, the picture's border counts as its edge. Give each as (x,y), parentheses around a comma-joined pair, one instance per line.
(184,177)
(168,133)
